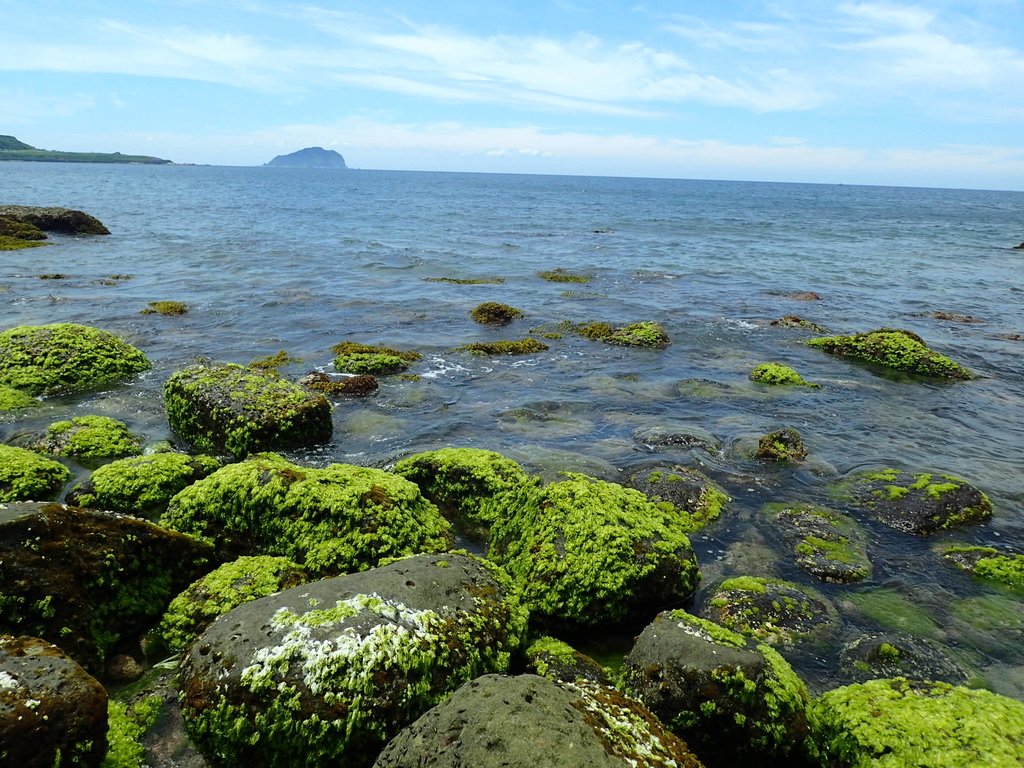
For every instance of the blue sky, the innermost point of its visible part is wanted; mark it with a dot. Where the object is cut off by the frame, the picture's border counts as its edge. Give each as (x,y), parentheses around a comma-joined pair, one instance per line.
(926,94)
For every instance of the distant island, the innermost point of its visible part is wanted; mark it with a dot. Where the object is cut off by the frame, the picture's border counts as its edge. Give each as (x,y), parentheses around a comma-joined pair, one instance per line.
(13,149)
(310,157)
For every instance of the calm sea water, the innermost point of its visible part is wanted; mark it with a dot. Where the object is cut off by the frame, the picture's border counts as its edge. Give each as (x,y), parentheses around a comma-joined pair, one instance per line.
(272,259)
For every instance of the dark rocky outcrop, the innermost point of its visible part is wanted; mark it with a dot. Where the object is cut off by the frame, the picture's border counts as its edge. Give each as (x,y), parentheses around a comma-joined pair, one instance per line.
(828,545)
(64,220)
(332,670)
(891,654)
(542,723)
(52,712)
(310,157)
(89,581)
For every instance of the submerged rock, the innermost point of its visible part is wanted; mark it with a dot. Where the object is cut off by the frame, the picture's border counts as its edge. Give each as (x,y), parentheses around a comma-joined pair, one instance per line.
(240,411)
(141,485)
(893,348)
(27,476)
(459,480)
(782,445)
(899,722)
(89,440)
(775,611)
(587,552)
(331,520)
(826,544)
(64,358)
(667,436)
(878,655)
(542,723)
(52,712)
(528,346)
(224,588)
(360,385)
(735,701)
(795,321)
(89,580)
(332,670)
(691,494)
(919,503)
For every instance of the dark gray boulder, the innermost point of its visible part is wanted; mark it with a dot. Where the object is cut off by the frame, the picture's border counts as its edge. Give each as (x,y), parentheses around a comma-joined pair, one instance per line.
(52,219)
(52,712)
(332,670)
(529,721)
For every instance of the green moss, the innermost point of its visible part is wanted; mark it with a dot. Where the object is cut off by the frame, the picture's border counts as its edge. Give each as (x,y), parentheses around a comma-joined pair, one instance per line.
(230,585)
(279,359)
(892,348)
(127,724)
(90,439)
(332,520)
(777,374)
(459,479)
(588,552)
(517,347)
(989,564)
(13,400)
(352,357)
(8,243)
(643,334)
(64,357)
(27,476)
(141,485)
(22,230)
(772,610)
(708,630)
(467,281)
(495,313)
(898,723)
(165,308)
(560,275)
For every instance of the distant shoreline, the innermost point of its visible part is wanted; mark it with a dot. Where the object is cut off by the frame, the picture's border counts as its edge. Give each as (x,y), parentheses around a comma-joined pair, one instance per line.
(54,156)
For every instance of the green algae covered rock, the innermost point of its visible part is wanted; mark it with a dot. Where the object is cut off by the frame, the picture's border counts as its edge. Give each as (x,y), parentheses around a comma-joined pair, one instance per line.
(826,544)
(775,611)
(331,520)
(989,564)
(89,440)
(733,700)
(893,348)
(643,334)
(897,723)
(557,660)
(891,654)
(224,588)
(528,721)
(458,480)
(91,582)
(777,374)
(63,358)
(141,485)
(920,503)
(14,400)
(781,445)
(236,410)
(27,476)
(330,671)
(688,492)
(52,712)
(528,346)
(353,357)
(587,552)
(495,313)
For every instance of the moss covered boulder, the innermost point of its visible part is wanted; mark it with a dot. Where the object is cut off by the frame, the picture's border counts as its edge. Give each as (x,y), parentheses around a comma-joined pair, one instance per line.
(68,221)
(777,612)
(782,445)
(224,588)
(14,400)
(646,333)
(52,712)
(353,357)
(27,476)
(458,480)
(826,544)
(587,552)
(733,700)
(495,313)
(891,654)
(542,723)
(776,374)
(921,503)
(91,582)
(988,564)
(899,723)
(557,660)
(64,358)
(332,670)
(89,440)
(331,520)
(688,492)
(896,349)
(528,346)
(141,485)
(237,410)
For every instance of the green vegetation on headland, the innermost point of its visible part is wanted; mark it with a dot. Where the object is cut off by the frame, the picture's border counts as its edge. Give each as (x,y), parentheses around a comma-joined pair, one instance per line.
(13,149)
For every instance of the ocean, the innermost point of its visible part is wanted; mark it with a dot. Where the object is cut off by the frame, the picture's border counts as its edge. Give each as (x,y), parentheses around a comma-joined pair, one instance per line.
(271,259)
